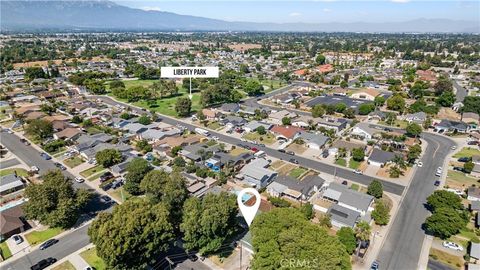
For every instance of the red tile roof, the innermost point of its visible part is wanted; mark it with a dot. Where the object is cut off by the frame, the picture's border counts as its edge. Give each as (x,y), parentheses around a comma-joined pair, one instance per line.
(286,131)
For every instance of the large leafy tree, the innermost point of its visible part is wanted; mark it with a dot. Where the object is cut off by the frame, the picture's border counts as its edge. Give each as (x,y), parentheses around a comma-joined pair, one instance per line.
(253,88)
(381,213)
(396,103)
(413,129)
(183,107)
(284,235)
(414,152)
(445,222)
(444,198)
(375,188)
(136,170)
(132,234)
(39,128)
(108,157)
(358,154)
(55,202)
(208,222)
(346,235)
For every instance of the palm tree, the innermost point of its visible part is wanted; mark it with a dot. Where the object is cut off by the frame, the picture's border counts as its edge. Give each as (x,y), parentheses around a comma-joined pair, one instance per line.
(362,233)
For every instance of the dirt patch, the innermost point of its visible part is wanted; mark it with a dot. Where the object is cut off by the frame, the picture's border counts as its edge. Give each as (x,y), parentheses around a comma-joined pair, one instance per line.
(285,170)
(277,164)
(297,148)
(56,62)
(383,172)
(447,113)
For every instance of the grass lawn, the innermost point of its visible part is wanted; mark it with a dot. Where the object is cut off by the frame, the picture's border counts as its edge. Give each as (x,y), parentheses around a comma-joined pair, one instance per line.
(95,176)
(461,178)
(277,164)
(446,258)
(20,172)
(67,265)
(132,83)
(214,125)
(398,123)
(352,164)
(254,136)
(92,171)
(467,152)
(341,162)
(90,256)
(238,151)
(73,161)
(37,237)
(297,172)
(6,253)
(117,193)
(354,187)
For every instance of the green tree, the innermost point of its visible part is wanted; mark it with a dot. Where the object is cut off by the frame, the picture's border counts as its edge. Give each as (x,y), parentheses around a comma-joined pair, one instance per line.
(320,59)
(396,103)
(318,111)
(253,88)
(284,234)
(117,84)
(413,129)
(443,85)
(133,234)
(366,108)
(340,107)
(208,222)
(375,188)
(381,213)
(144,120)
(261,130)
(136,170)
(183,106)
(39,128)
(307,210)
(444,198)
(143,146)
(362,233)
(94,86)
(346,235)
(55,202)
(468,166)
(358,154)
(286,121)
(108,157)
(446,99)
(445,222)
(379,101)
(414,152)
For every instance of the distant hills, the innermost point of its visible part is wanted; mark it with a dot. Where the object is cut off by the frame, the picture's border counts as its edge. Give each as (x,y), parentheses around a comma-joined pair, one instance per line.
(102,15)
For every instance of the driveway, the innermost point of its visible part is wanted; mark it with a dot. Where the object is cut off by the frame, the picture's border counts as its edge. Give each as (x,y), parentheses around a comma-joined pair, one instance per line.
(16,249)
(9,163)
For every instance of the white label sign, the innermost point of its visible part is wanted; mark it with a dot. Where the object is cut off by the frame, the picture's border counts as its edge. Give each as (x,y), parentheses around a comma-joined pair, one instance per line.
(189,72)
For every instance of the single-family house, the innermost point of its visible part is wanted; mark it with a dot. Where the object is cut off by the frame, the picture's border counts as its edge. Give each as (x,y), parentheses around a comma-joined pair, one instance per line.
(337,124)
(380,158)
(348,198)
(473,194)
(228,108)
(312,140)
(366,94)
(253,125)
(69,134)
(418,117)
(12,221)
(295,189)
(256,174)
(343,217)
(10,183)
(286,133)
(364,131)
(452,126)
(232,121)
(276,117)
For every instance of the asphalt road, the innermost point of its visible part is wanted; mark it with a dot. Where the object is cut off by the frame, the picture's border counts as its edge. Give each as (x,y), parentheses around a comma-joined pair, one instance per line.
(403,245)
(309,163)
(435,265)
(461,91)
(9,163)
(70,242)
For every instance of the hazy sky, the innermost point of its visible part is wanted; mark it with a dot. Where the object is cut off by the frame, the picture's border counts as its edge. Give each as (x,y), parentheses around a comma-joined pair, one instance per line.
(317,11)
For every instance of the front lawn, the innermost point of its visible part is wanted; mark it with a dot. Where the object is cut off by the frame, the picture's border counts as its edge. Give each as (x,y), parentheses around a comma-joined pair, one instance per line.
(352,164)
(355,187)
(254,136)
(117,194)
(461,178)
(37,237)
(66,265)
(398,123)
(297,172)
(90,256)
(238,151)
(73,161)
(6,253)
(214,125)
(467,152)
(92,171)
(446,258)
(20,172)
(341,162)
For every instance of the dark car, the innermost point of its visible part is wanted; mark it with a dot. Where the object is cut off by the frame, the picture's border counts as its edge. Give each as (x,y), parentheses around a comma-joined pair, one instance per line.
(105,199)
(460,169)
(48,243)
(464,159)
(107,186)
(388,129)
(43,263)
(60,166)
(472,142)
(281,150)
(192,257)
(292,160)
(45,156)
(25,141)
(325,154)
(106,176)
(345,182)
(437,183)
(375,266)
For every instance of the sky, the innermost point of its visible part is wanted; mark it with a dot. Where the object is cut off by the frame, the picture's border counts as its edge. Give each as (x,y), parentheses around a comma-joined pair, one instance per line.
(316,11)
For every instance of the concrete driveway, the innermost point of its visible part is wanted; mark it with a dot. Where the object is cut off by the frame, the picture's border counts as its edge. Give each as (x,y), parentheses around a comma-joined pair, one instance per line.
(18,249)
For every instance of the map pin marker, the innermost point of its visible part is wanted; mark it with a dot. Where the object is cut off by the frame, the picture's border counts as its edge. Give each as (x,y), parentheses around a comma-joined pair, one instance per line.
(248,212)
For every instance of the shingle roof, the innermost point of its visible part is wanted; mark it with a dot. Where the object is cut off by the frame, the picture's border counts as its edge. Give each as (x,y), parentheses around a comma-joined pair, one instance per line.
(381,156)
(343,215)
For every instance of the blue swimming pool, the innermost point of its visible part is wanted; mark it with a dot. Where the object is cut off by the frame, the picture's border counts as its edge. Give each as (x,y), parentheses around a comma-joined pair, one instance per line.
(245,196)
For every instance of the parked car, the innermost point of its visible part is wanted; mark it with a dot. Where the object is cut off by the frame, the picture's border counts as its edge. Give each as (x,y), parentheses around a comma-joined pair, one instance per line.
(452,245)
(43,263)
(420,164)
(24,141)
(437,183)
(106,176)
(79,180)
(344,182)
(34,169)
(17,238)
(460,169)
(254,149)
(291,153)
(281,150)
(60,166)
(454,147)
(357,171)
(375,266)
(472,142)
(45,156)
(48,243)
(106,186)
(292,160)
(192,257)
(463,159)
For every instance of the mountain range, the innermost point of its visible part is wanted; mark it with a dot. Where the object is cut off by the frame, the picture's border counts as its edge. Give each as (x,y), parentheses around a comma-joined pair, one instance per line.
(102,15)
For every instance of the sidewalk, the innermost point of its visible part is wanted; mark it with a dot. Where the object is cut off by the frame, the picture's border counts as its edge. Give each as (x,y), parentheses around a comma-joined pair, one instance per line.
(75,259)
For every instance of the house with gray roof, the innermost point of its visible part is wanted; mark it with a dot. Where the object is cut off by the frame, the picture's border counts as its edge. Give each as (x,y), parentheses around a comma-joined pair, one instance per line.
(10,183)
(86,141)
(230,107)
(337,124)
(256,174)
(452,126)
(351,199)
(152,135)
(233,121)
(314,141)
(90,153)
(364,131)
(380,158)
(253,125)
(343,217)
(474,250)
(418,117)
(295,189)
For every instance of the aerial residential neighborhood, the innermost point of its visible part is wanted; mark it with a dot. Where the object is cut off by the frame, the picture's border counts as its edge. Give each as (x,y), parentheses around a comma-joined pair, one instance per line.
(364,148)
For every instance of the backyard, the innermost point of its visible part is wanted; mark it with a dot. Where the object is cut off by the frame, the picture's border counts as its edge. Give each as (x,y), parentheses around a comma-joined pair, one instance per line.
(297,172)
(90,256)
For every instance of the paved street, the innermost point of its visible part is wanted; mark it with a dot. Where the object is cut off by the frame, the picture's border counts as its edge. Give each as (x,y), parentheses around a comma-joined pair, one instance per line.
(402,247)
(461,91)
(316,165)
(9,163)
(435,265)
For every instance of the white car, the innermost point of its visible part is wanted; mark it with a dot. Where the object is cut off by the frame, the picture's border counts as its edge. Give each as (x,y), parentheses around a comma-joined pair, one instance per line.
(79,180)
(215,138)
(420,164)
(452,245)
(357,171)
(454,147)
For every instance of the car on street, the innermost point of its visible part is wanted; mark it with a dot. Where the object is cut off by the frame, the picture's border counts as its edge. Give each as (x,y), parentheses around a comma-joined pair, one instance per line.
(9,131)
(88,268)
(34,169)
(43,263)
(291,153)
(437,183)
(344,182)
(45,156)
(439,172)
(48,243)
(292,160)
(281,150)
(215,138)
(17,238)
(420,164)
(60,166)
(452,245)
(254,149)
(24,141)
(79,180)
(357,171)
(454,147)
(375,265)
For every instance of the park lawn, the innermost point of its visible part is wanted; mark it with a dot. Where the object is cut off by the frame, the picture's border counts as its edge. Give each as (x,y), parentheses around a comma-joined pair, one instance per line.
(341,162)
(461,178)
(297,172)
(90,256)
(73,161)
(20,172)
(6,253)
(92,171)
(132,83)
(275,83)
(446,258)
(254,136)
(467,152)
(66,265)
(352,164)
(166,105)
(37,237)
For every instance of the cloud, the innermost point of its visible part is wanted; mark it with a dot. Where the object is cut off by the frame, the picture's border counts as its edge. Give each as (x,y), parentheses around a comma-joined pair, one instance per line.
(151,8)
(326,10)
(295,14)
(400,1)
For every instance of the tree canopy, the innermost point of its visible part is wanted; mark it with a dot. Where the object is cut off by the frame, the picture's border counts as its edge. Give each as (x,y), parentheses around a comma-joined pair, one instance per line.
(108,157)
(183,106)
(39,128)
(136,170)
(375,189)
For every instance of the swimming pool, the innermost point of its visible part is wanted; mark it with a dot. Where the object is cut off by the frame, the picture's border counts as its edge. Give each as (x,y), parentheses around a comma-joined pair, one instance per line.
(245,196)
